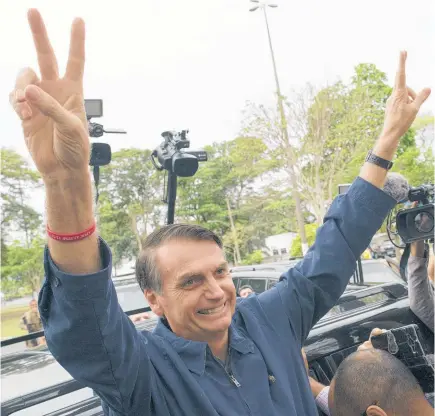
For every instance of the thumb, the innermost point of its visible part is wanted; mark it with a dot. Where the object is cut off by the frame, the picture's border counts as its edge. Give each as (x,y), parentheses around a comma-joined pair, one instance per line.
(422,97)
(376,331)
(48,105)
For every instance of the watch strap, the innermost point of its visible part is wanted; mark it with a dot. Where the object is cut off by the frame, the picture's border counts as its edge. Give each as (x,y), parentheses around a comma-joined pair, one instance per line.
(378,161)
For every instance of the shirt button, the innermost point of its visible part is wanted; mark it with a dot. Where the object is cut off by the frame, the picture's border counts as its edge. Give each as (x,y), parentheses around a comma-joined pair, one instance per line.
(56,282)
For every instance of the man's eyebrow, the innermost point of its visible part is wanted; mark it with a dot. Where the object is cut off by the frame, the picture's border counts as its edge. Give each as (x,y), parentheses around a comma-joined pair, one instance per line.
(187,275)
(183,276)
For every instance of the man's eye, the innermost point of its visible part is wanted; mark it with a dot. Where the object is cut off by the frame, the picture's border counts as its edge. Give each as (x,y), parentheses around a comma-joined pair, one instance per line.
(191,282)
(221,271)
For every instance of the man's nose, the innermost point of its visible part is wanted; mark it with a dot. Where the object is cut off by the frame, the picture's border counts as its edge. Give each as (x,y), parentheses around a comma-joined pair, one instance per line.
(213,290)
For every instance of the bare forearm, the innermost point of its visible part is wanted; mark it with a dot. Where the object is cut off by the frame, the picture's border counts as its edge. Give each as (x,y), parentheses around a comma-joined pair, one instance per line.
(316,387)
(385,148)
(69,211)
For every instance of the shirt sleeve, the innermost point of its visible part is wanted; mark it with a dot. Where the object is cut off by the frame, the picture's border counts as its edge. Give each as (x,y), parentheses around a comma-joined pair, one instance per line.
(322,400)
(309,290)
(421,294)
(92,338)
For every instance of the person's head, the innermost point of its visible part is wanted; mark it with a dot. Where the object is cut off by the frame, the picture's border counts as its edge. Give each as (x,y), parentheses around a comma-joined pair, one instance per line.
(245,291)
(185,278)
(375,383)
(430,268)
(33,305)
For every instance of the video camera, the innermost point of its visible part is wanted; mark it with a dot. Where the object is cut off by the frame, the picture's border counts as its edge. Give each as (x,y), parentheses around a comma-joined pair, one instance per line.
(408,346)
(417,223)
(101,153)
(171,157)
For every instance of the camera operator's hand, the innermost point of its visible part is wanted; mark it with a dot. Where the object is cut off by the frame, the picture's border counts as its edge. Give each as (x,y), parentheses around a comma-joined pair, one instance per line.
(367,345)
(402,106)
(52,108)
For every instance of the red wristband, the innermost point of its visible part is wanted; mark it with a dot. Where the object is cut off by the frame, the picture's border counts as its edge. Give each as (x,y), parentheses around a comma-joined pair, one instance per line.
(72,237)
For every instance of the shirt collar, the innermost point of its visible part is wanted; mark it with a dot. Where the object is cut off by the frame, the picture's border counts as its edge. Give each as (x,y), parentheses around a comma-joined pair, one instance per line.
(193,353)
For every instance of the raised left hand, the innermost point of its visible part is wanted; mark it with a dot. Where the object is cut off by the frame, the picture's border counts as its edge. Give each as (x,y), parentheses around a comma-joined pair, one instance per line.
(403,105)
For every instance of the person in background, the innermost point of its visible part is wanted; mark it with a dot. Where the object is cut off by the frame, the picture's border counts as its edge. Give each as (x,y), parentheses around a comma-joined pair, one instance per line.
(420,283)
(245,291)
(31,322)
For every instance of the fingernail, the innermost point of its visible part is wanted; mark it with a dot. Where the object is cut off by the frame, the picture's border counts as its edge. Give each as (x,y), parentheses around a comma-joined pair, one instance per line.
(32,93)
(19,95)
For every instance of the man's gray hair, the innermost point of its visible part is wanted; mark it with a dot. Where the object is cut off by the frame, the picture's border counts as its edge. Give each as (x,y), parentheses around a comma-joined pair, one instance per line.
(147,273)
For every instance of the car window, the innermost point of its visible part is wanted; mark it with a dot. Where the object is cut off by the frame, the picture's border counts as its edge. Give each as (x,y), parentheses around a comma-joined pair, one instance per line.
(130,297)
(378,273)
(259,285)
(354,304)
(272,283)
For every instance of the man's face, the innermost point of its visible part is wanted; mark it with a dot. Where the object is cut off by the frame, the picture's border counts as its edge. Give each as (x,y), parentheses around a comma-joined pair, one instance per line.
(33,306)
(244,293)
(198,296)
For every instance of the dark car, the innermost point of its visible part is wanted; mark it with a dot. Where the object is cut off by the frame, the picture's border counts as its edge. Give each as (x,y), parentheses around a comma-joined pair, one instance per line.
(34,384)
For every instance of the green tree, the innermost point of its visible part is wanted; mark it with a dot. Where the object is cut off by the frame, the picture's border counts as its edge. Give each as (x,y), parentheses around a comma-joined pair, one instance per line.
(296,248)
(217,195)
(24,270)
(17,180)
(256,257)
(135,187)
(116,229)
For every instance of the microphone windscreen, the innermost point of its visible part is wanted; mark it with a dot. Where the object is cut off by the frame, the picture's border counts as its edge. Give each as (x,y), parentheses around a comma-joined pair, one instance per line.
(396,186)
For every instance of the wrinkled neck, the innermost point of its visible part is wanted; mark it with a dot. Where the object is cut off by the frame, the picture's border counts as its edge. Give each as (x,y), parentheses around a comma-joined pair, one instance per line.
(219,346)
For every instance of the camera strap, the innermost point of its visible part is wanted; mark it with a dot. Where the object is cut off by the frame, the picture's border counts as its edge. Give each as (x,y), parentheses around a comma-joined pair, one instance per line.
(404,262)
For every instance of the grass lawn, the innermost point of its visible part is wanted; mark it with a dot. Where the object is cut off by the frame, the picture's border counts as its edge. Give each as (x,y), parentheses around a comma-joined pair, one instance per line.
(10,321)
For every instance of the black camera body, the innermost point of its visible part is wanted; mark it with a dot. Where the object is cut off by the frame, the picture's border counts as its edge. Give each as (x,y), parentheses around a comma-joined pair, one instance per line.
(171,156)
(414,224)
(406,344)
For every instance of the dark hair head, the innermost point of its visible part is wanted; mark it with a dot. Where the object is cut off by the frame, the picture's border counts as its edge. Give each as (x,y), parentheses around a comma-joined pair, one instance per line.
(246,287)
(147,273)
(373,377)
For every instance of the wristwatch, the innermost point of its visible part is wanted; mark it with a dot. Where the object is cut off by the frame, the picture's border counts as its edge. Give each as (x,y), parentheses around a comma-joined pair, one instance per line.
(378,161)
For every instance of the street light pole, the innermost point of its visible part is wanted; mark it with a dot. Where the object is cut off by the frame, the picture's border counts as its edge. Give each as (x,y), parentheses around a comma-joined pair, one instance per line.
(291,161)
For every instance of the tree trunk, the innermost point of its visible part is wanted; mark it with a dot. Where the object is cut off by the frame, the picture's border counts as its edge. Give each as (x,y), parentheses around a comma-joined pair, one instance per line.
(237,257)
(135,230)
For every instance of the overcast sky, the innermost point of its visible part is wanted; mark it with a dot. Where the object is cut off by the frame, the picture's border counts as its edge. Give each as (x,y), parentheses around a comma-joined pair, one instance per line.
(173,64)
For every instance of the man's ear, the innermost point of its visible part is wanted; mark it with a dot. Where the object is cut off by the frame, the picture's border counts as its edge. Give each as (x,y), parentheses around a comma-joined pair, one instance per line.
(153,301)
(375,411)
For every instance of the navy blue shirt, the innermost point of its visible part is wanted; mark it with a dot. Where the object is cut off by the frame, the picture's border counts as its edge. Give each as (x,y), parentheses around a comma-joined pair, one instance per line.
(159,373)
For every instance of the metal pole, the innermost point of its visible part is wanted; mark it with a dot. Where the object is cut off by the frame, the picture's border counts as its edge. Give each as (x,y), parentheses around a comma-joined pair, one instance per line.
(172,196)
(294,191)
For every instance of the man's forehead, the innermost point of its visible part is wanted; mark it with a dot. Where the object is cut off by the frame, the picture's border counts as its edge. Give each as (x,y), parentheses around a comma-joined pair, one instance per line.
(182,256)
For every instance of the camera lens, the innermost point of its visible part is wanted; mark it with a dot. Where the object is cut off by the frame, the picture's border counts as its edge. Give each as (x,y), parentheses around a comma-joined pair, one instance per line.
(424,222)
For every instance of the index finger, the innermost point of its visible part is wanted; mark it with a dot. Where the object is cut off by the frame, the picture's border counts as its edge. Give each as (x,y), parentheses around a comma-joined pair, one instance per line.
(46,58)
(401,73)
(76,59)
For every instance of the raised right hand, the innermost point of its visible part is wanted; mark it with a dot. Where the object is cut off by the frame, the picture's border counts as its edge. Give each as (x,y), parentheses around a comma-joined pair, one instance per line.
(52,108)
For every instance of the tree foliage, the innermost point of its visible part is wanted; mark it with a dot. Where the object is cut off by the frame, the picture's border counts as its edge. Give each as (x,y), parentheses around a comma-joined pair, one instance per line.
(243,192)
